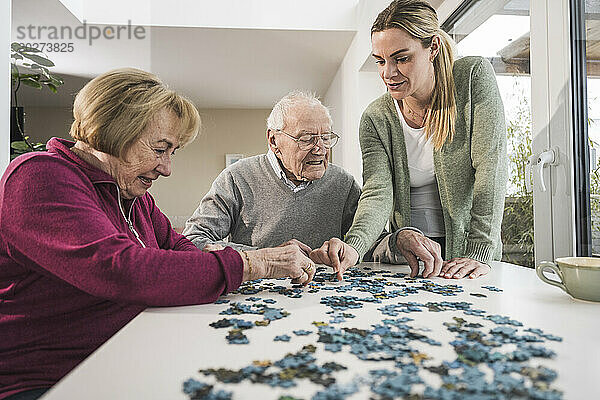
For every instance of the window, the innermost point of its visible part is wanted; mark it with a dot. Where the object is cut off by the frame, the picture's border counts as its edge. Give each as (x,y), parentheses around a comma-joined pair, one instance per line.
(499,31)
(546,55)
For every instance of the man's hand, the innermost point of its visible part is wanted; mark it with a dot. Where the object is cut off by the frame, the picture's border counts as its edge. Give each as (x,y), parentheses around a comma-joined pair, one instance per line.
(337,254)
(213,247)
(305,248)
(415,246)
(460,267)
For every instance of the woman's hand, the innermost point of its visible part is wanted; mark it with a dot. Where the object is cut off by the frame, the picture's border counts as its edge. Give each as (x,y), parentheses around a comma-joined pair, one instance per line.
(461,267)
(286,261)
(336,254)
(414,247)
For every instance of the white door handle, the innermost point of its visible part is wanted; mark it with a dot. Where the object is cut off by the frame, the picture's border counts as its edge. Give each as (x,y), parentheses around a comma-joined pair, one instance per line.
(547,157)
(528,176)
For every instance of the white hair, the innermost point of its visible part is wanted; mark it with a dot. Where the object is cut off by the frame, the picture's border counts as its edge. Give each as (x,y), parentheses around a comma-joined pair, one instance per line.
(295,98)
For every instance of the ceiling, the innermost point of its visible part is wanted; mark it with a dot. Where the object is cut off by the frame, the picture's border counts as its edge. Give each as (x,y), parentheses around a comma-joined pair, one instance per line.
(214,67)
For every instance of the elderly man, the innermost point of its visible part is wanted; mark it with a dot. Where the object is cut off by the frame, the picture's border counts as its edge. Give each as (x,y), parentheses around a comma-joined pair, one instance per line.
(290,193)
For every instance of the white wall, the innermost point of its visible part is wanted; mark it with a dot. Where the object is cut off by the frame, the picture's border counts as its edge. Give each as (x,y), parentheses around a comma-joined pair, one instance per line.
(5,85)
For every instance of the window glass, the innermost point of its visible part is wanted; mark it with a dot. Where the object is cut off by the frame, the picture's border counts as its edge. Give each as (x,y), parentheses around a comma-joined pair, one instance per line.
(592,38)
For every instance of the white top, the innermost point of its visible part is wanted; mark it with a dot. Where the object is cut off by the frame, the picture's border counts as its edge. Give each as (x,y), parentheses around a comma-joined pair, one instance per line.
(280,173)
(425,206)
(157,351)
(419,152)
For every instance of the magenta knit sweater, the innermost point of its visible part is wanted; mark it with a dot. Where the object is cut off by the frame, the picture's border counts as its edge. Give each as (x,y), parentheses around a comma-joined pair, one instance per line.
(72,273)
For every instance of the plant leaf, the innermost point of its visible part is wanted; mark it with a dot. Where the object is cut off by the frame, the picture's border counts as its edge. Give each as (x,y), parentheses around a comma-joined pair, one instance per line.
(43,70)
(32,76)
(14,46)
(37,66)
(51,87)
(56,80)
(19,145)
(31,82)
(29,49)
(39,60)
(17,56)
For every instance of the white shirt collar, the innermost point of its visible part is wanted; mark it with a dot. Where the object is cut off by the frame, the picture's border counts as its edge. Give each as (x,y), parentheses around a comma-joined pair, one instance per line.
(274,161)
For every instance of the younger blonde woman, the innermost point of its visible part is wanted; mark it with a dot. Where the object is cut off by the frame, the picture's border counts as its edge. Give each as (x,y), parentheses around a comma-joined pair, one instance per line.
(434,154)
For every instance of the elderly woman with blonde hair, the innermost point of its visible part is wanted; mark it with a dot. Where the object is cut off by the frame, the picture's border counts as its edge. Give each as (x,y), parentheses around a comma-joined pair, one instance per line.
(84,248)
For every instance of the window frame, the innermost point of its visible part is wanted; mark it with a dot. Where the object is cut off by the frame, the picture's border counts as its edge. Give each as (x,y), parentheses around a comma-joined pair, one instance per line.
(556,77)
(581,149)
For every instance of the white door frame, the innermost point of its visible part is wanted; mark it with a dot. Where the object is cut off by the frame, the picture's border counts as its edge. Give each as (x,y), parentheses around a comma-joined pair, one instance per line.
(551,109)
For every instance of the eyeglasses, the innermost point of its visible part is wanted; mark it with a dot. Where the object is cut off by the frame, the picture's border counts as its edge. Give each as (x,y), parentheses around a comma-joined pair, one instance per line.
(308,140)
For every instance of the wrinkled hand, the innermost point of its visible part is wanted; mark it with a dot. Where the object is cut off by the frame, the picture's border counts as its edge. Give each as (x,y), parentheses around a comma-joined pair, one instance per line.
(305,249)
(460,267)
(286,261)
(415,247)
(213,247)
(336,254)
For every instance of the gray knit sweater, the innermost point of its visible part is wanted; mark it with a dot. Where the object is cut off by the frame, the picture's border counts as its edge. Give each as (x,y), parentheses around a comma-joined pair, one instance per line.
(471,170)
(251,205)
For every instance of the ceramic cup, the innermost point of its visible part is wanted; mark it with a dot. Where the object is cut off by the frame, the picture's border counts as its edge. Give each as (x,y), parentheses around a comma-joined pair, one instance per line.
(578,276)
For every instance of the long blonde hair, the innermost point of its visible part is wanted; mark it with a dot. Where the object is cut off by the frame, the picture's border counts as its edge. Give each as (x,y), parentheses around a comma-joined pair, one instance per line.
(419,19)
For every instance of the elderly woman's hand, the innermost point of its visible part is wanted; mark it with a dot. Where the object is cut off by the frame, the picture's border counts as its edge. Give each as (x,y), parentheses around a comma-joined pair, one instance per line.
(286,261)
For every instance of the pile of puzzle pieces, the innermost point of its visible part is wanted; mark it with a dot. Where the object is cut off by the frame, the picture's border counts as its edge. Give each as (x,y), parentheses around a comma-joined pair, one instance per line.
(507,350)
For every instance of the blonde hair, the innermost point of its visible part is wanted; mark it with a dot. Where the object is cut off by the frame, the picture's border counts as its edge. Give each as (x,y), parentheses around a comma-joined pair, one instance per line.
(113,109)
(419,20)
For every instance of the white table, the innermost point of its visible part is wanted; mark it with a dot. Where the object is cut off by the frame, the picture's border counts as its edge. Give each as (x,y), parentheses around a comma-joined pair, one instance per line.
(155,353)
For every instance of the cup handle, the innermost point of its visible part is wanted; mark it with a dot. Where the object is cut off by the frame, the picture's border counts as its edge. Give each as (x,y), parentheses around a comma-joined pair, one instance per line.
(544,265)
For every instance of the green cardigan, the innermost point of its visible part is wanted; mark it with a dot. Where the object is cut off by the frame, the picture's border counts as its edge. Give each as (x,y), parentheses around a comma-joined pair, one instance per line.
(471,170)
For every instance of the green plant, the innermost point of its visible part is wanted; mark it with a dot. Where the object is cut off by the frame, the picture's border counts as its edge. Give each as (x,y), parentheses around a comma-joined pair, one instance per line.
(517,225)
(29,67)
